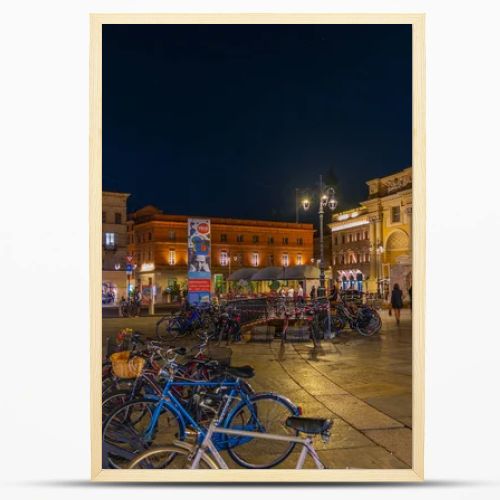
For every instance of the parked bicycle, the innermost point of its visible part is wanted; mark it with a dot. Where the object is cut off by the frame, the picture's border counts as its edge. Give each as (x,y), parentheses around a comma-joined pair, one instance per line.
(363,319)
(130,308)
(156,420)
(205,453)
(182,323)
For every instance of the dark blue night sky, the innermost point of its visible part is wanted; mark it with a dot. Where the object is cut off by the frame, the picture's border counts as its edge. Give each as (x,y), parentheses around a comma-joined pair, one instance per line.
(226,120)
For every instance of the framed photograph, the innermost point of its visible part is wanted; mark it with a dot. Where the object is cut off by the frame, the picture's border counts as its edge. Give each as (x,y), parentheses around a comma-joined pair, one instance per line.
(257,244)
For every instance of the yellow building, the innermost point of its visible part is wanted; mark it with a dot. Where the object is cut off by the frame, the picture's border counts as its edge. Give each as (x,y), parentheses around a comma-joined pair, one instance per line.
(372,243)
(114,246)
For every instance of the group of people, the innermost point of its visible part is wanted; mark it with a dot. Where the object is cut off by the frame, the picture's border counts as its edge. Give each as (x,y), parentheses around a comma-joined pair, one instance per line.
(292,293)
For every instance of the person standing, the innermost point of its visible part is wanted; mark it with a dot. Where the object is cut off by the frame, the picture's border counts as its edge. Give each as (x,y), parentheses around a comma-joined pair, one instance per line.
(397,302)
(300,294)
(313,292)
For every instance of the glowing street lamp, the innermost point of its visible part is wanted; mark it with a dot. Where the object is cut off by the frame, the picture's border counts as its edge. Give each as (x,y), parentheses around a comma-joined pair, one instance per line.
(326,198)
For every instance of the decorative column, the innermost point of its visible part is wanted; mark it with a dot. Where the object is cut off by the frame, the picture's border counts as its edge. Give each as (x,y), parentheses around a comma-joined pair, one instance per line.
(372,282)
(409,218)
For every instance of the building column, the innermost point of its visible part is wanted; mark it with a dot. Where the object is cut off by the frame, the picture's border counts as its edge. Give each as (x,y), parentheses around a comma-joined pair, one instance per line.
(372,282)
(409,213)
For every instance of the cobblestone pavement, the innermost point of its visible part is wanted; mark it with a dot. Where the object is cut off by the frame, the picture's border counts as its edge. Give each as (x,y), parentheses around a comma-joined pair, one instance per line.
(363,384)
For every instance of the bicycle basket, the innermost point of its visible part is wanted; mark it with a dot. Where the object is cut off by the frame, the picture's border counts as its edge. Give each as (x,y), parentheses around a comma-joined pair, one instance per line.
(124,367)
(220,354)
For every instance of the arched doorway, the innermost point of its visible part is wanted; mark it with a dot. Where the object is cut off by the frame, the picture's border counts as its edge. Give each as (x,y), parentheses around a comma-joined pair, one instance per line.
(398,258)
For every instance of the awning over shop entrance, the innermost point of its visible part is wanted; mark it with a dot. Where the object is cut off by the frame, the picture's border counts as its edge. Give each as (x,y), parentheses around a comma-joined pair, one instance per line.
(275,273)
(244,273)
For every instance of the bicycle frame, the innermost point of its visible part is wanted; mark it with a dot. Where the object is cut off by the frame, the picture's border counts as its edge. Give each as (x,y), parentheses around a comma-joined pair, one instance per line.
(169,401)
(208,445)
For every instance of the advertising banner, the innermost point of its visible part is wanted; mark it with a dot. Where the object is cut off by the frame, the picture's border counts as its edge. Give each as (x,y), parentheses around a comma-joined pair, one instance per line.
(199,260)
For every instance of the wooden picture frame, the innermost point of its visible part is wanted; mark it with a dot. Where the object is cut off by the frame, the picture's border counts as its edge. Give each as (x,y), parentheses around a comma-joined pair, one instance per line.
(418,253)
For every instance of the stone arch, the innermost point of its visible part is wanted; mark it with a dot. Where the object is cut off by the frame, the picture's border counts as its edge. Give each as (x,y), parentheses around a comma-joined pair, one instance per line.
(397,240)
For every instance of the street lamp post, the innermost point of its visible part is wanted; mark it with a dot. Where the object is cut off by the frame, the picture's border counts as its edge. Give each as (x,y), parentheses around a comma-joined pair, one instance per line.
(326,200)
(380,251)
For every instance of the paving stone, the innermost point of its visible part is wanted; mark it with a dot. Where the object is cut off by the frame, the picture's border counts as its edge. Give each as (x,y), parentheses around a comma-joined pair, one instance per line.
(367,457)
(396,406)
(357,413)
(398,441)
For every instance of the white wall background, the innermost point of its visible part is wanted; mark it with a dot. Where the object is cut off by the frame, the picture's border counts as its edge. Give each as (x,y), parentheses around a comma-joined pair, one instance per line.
(44,429)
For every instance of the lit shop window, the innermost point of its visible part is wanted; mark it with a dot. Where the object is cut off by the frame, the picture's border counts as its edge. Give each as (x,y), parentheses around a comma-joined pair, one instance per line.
(171,257)
(224,258)
(109,239)
(299,259)
(284,259)
(255,259)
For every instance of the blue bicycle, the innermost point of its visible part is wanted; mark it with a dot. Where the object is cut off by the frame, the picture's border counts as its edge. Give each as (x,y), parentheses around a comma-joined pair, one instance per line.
(159,420)
(179,325)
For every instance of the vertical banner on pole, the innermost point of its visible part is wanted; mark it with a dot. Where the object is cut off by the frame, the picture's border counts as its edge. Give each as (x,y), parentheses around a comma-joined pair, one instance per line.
(199,273)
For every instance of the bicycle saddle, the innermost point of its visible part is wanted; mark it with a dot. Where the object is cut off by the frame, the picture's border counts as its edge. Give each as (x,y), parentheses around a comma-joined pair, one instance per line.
(240,371)
(309,425)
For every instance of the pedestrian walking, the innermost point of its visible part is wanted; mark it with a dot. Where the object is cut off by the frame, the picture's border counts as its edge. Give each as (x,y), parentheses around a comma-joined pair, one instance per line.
(397,302)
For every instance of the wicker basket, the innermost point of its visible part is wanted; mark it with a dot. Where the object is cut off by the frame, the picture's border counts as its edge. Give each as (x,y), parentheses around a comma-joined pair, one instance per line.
(124,367)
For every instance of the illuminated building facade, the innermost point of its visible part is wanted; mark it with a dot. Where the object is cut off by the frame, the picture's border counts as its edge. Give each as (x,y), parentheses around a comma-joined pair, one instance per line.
(371,244)
(114,245)
(158,244)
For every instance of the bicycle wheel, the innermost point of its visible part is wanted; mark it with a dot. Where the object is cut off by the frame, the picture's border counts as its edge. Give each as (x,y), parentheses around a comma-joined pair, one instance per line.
(168,457)
(168,328)
(266,413)
(115,399)
(368,322)
(124,432)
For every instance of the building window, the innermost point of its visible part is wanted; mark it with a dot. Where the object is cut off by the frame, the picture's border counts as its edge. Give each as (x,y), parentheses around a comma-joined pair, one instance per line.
(223,238)
(255,239)
(270,259)
(171,257)
(335,240)
(118,218)
(366,235)
(171,235)
(285,241)
(270,240)
(299,259)
(239,238)
(109,240)
(300,241)
(150,236)
(395,215)
(343,238)
(104,216)
(255,259)
(224,258)
(284,259)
